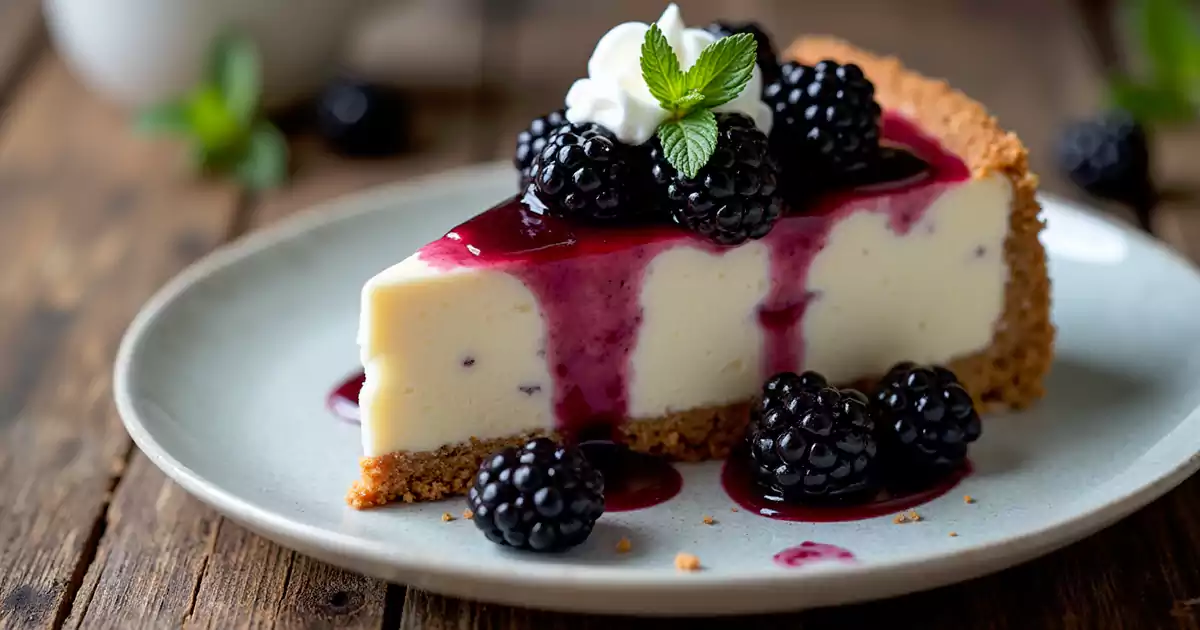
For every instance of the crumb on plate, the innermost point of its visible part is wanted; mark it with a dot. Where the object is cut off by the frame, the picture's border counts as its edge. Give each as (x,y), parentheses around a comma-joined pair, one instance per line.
(900,518)
(913,516)
(708,520)
(623,545)
(954,534)
(968,498)
(468,514)
(446,518)
(687,562)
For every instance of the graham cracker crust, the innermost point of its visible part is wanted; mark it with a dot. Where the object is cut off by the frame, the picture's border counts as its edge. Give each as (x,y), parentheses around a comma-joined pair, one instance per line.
(694,435)
(1006,374)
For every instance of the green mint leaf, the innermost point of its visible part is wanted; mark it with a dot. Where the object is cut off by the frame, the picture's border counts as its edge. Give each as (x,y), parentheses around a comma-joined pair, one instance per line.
(660,68)
(1172,43)
(689,100)
(211,122)
(723,69)
(689,142)
(264,164)
(1150,103)
(236,73)
(164,118)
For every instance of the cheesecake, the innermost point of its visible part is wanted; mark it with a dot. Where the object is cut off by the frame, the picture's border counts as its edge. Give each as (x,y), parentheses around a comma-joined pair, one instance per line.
(521,323)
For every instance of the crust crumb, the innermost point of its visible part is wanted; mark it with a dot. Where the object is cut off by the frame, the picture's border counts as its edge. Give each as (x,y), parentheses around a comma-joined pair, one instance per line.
(913,517)
(708,520)
(623,545)
(687,562)
(954,534)
(446,518)
(968,498)
(733,509)
(899,519)
(468,514)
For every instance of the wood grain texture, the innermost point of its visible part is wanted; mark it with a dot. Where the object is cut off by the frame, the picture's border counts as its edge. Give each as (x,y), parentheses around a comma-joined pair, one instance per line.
(1176,168)
(91,221)
(21,37)
(250,582)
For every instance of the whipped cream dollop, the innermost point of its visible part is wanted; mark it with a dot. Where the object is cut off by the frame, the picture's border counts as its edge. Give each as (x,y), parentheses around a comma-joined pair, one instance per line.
(615,95)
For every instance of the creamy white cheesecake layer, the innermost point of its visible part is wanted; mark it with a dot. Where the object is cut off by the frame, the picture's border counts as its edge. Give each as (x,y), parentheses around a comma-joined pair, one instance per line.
(451,355)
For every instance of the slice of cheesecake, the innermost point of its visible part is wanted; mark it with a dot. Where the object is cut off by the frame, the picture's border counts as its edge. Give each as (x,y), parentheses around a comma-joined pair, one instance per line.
(516,325)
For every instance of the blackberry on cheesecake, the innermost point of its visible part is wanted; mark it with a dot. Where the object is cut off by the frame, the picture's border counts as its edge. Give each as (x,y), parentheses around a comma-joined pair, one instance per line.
(541,497)
(733,198)
(809,441)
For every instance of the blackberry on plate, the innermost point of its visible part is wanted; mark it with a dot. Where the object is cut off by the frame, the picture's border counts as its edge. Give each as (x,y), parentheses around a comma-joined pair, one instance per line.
(826,119)
(733,197)
(362,119)
(532,140)
(540,497)
(809,441)
(768,65)
(583,172)
(1109,157)
(927,419)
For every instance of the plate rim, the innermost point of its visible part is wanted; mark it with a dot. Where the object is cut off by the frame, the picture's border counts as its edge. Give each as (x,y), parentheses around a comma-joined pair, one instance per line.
(331,545)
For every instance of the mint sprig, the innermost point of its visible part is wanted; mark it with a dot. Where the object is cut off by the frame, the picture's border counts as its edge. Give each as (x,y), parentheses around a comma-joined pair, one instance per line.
(721,72)
(222,121)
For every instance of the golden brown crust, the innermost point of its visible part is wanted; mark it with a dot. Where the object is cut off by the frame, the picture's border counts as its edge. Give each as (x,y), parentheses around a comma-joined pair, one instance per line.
(1006,374)
(693,435)
(1009,372)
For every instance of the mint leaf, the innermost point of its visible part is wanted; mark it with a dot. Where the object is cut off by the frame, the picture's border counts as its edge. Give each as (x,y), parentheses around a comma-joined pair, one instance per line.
(689,100)
(1150,103)
(723,69)
(164,118)
(236,74)
(660,69)
(689,141)
(264,164)
(1168,32)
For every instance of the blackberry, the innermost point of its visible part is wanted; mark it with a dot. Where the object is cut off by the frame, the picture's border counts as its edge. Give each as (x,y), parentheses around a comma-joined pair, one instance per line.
(809,441)
(927,418)
(583,172)
(541,497)
(362,119)
(733,197)
(768,65)
(532,140)
(1110,157)
(826,119)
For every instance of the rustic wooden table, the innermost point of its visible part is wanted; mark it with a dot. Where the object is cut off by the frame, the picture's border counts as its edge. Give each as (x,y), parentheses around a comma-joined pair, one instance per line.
(92,220)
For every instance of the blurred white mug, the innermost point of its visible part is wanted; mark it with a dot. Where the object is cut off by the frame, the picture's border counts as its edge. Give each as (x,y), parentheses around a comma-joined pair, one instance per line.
(139,52)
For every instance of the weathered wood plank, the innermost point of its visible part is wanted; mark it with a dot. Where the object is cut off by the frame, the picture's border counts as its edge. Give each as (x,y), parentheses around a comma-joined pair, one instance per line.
(91,221)
(21,36)
(250,582)
(1177,173)
(151,558)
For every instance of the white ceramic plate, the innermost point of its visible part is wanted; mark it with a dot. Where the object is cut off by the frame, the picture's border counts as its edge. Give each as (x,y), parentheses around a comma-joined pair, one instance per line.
(222,377)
